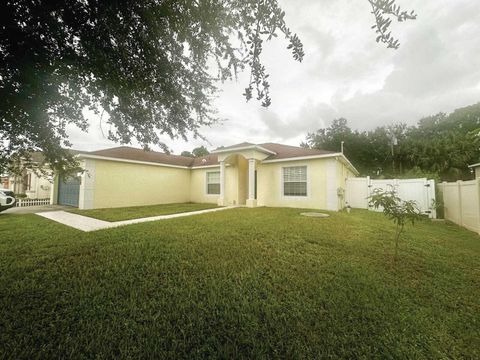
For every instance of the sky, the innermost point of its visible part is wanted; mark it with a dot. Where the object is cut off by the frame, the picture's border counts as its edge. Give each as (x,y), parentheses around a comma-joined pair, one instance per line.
(345,73)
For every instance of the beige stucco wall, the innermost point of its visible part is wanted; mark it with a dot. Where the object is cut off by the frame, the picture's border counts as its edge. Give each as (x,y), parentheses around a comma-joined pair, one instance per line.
(231,185)
(39,187)
(119,184)
(343,173)
(270,187)
(242,164)
(198,186)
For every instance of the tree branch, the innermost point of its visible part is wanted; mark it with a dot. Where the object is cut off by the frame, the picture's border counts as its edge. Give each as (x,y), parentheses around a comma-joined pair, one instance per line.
(382,9)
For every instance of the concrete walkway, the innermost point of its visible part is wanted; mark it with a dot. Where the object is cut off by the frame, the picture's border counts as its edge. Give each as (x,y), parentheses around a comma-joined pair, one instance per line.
(85,223)
(34,209)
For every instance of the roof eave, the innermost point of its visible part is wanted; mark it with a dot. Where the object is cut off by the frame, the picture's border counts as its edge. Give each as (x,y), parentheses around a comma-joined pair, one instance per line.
(249,147)
(205,166)
(108,158)
(313,157)
(350,164)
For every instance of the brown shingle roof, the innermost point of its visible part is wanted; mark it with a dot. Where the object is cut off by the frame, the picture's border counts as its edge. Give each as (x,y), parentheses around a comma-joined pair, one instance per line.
(211,159)
(129,153)
(37,156)
(288,151)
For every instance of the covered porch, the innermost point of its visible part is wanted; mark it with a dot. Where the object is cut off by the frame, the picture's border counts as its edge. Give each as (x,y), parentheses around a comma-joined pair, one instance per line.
(240,187)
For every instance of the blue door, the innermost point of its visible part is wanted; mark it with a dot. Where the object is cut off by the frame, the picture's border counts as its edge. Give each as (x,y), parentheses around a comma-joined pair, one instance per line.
(68,191)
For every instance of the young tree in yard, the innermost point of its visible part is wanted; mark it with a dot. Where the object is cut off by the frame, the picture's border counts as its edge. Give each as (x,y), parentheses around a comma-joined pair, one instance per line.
(399,211)
(146,64)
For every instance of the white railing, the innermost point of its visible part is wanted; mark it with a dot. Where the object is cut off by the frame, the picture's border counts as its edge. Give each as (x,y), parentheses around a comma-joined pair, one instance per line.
(32,202)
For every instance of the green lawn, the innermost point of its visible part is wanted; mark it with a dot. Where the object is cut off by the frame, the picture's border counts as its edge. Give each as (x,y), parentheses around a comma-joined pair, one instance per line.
(136,212)
(241,283)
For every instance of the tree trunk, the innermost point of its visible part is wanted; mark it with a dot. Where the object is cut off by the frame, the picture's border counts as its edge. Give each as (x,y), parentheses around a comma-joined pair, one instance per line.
(397,239)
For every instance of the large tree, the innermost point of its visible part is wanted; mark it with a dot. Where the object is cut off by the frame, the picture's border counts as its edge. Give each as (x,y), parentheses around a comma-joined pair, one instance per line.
(446,143)
(197,152)
(440,146)
(150,66)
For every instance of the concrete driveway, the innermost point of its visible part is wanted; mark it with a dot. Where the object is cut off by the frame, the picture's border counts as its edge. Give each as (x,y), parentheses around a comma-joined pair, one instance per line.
(34,209)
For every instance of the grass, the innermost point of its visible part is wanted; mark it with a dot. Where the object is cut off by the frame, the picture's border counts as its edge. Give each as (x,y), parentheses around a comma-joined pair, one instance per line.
(241,283)
(136,212)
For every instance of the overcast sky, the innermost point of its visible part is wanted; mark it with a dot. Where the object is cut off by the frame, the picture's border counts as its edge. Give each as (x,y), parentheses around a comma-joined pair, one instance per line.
(345,73)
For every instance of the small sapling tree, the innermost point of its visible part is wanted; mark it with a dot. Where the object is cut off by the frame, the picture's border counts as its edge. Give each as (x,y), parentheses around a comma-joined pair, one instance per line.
(399,211)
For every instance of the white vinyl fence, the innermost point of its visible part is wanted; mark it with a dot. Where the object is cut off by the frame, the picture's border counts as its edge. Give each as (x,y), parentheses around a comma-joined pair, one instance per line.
(462,203)
(422,191)
(32,202)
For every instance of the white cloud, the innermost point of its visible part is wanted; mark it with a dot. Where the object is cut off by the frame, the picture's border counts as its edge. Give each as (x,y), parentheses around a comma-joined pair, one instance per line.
(345,73)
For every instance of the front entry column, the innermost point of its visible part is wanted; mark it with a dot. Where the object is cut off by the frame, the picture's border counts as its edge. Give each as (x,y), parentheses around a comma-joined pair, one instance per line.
(221,199)
(251,201)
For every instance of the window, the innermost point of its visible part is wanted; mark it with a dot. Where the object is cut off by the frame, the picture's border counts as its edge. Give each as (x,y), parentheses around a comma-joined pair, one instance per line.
(213,183)
(295,181)
(27,182)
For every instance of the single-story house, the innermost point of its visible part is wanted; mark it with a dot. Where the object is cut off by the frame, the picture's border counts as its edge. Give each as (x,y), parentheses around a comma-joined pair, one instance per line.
(248,174)
(476,168)
(29,182)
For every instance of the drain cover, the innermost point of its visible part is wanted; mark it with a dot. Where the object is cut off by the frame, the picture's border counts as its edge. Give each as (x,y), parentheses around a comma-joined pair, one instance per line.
(315,214)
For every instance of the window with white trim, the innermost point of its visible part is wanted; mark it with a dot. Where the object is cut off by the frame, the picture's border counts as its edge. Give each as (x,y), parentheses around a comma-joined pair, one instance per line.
(213,182)
(295,181)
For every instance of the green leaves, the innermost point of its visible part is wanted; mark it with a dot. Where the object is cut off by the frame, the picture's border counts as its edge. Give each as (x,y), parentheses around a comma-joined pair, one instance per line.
(446,144)
(399,211)
(145,64)
(440,146)
(197,152)
(381,9)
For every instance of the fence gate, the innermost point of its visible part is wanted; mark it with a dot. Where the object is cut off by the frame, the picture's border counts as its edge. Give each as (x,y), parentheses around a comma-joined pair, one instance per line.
(422,191)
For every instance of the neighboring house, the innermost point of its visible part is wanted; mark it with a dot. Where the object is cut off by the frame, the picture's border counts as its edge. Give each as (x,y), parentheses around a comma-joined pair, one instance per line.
(29,182)
(476,168)
(4,182)
(244,174)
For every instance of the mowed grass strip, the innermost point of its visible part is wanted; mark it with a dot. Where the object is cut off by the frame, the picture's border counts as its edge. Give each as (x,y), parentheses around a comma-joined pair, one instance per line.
(241,283)
(137,212)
